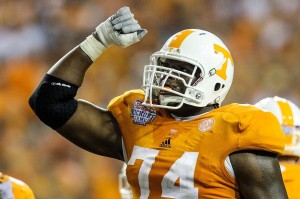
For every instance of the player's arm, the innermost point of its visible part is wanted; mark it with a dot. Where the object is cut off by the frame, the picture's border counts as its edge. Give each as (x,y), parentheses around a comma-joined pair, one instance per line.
(258,175)
(53,101)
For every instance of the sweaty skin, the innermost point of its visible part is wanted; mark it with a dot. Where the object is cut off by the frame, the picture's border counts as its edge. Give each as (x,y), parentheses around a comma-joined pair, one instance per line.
(91,127)
(262,168)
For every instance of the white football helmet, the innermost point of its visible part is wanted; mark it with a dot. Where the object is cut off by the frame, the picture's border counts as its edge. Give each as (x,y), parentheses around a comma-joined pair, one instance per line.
(206,82)
(288,115)
(124,186)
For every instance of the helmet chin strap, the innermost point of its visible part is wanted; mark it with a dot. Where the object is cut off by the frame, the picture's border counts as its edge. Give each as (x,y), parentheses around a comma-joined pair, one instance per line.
(166,99)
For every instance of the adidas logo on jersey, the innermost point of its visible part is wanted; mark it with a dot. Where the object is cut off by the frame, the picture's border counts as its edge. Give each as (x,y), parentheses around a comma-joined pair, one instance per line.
(166,143)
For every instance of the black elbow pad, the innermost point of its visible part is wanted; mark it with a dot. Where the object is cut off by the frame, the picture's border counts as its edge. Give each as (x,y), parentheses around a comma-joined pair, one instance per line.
(53,101)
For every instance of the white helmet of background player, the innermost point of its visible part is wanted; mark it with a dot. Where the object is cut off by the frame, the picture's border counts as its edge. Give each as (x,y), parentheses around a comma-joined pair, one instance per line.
(124,186)
(288,115)
(207,71)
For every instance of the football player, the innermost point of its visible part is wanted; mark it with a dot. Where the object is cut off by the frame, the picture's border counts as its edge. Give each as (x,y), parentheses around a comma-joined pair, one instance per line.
(288,114)
(11,188)
(177,141)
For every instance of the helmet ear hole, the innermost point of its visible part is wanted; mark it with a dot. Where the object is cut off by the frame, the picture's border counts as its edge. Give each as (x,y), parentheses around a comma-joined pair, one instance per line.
(217,86)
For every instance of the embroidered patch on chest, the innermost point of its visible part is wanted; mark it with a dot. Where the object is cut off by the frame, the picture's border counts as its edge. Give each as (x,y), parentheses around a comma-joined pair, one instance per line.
(206,124)
(141,114)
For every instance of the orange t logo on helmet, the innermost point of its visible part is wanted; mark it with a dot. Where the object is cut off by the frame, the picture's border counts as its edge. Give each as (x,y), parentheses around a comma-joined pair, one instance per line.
(222,72)
(179,38)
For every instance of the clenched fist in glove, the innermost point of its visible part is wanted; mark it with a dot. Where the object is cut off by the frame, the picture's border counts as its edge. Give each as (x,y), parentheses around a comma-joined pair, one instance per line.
(121,29)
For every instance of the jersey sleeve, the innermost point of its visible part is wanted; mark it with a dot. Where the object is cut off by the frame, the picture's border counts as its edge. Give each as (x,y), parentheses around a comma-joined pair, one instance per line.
(261,130)
(121,106)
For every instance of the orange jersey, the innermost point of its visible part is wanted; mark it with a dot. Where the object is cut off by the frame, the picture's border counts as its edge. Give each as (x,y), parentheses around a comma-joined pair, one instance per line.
(291,179)
(13,188)
(168,158)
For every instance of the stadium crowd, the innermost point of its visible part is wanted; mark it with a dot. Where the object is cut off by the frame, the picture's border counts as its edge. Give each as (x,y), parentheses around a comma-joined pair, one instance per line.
(263,35)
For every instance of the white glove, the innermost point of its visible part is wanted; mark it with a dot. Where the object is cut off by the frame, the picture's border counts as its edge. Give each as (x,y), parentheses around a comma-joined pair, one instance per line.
(121,29)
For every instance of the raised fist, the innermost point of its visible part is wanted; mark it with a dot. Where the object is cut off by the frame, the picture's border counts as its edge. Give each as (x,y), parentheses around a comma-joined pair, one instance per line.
(121,29)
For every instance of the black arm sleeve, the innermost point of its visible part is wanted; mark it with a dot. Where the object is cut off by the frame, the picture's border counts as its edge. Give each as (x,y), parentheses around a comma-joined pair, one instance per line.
(53,101)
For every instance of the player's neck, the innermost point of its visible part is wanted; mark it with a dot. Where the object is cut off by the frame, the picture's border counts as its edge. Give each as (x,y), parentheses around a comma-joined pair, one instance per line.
(190,111)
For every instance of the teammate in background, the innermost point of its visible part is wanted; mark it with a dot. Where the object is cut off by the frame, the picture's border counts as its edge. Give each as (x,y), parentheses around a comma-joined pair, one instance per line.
(288,115)
(177,141)
(11,188)
(124,187)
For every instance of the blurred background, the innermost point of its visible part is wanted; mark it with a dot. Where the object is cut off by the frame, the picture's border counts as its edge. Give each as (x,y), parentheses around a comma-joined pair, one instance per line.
(262,35)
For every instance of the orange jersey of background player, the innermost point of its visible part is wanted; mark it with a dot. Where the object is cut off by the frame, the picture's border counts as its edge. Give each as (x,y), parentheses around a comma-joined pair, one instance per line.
(168,158)
(288,115)
(13,188)
(291,178)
